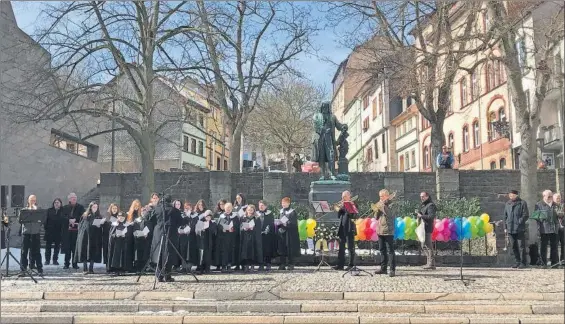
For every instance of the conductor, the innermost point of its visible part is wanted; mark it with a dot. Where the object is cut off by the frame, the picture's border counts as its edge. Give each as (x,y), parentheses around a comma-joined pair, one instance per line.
(347,213)
(167,219)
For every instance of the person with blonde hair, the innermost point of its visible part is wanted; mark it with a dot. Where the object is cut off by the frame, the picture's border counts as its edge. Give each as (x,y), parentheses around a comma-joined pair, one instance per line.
(111,216)
(31,240)
(251,243)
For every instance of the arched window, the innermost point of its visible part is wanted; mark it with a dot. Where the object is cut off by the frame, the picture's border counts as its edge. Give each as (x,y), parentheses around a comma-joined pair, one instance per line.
(427,157)
(465,138)
(451,142)
(502,163)
(493,165)
(476,134)
(491,130)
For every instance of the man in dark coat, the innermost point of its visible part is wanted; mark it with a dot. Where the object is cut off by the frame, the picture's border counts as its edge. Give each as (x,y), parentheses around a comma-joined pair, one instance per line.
(548,227)
(71,218)
(515,216)
(167,220)
(346,234)
(427,214)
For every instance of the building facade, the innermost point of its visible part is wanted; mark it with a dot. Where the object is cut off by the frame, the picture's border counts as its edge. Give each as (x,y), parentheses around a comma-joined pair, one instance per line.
(405,144)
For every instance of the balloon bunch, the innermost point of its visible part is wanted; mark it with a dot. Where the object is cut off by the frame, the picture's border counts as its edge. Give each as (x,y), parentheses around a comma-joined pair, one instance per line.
(458,228)
(367,229)
(405,228)
(306,228)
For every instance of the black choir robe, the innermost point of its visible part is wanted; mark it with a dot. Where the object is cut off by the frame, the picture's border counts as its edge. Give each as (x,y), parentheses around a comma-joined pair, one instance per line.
(288,240)
(165,219)
(183,238)
(141,244)
(268,235)
(193,252)
(251,242)
(119,258)
(223,247)
(206,243)
(106,236)
(89,240)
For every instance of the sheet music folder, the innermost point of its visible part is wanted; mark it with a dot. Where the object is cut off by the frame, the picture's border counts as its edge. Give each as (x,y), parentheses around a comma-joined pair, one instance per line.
(321,206)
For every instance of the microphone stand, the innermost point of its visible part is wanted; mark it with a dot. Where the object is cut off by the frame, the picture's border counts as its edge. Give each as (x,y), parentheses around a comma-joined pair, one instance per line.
(465,281)
(8,255)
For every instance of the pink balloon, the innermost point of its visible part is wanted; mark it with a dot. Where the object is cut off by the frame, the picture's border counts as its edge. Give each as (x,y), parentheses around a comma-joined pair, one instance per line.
(440,237)
(439,226)
(374,237)
(445,221)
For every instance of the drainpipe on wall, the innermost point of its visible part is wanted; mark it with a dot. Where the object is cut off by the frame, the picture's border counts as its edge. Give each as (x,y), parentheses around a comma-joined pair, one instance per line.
(113,161)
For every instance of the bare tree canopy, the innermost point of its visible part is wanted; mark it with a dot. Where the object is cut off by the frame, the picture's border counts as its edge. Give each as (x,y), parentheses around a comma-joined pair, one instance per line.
(243,47)
(282,120)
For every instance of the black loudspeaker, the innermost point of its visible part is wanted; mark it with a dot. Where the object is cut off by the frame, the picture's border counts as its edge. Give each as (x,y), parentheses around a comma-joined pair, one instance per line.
(4,196)
(18,196)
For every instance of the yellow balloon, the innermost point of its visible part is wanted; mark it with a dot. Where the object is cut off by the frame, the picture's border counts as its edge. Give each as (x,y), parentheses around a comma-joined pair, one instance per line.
(310,232)
(489,228)
(485,217)
(313,223)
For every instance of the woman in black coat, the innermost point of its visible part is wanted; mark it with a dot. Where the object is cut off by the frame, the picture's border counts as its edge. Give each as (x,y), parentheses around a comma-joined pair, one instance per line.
(226,226)
(53,231)
(183,234)
(217,213)
(288,242)
(251,242)
(268,235)
(89,238)
(118,259)
(204,237)
(111,217)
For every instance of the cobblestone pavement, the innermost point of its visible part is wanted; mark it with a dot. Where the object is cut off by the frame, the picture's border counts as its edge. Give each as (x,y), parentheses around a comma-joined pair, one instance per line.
(408,279)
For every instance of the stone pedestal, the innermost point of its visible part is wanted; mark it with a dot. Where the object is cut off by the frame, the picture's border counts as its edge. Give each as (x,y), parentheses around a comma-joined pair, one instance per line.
(327,190)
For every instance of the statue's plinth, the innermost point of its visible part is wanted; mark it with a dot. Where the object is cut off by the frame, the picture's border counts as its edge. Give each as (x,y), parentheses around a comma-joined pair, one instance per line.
(330,191)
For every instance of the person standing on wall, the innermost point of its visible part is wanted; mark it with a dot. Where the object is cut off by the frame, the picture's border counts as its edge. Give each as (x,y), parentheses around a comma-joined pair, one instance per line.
(445,159)
(427,214)
(515,216)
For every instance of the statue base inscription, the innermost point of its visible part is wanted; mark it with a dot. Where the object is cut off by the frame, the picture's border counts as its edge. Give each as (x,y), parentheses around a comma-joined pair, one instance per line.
(330,191)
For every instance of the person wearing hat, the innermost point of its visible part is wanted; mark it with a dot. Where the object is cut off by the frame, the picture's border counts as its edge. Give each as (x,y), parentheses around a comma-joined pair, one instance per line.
(515,216)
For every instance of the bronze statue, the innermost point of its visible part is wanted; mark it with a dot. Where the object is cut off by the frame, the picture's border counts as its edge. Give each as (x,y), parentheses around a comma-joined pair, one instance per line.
(324,146)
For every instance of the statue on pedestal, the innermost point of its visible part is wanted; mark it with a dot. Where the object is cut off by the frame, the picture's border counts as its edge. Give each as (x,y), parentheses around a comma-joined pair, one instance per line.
(324,145)
(343,162)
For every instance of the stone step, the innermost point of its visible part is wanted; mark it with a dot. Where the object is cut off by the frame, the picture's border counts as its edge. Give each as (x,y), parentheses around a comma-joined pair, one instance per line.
(284,295)
(277,318)
(287,307)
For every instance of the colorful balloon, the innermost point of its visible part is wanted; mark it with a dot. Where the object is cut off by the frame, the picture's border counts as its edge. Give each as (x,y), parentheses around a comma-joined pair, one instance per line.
(310,232)
(485,217)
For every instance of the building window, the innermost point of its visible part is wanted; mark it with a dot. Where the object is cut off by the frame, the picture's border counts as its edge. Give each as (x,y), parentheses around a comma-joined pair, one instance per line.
(496,73)
(381,103)
(193,145)
(365,124)
(476,134)
(426,157)
(210,157)
(399,131)
(409,125)
(474,86)
(376,149)
(501,114)
(491,130)
(225,165)
(407,160)
(218,164)
(383,143)
(4,196)
(413,159)
(463,91)
(201,148)
(374,108)
(73,145)
(185,143)
(201,121)
(465,139)
(365,102)
(493,165)
(425,122)
(401,163)
(451,142)
(502,163)
(370,154)
(492,76)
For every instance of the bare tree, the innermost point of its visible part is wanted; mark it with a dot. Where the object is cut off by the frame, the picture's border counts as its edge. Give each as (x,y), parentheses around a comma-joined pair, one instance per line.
(112,61)
(283,119)
(421,46)
(547,30)
(243,46)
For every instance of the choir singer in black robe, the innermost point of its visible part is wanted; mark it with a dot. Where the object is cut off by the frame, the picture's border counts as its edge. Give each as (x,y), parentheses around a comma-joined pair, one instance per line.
(225,234)
(111,217)
(288,242)
(205,230)
(251,242)
(118,259)
(167,220)
(184,230)
(268,235)
(220,207)
(89,239)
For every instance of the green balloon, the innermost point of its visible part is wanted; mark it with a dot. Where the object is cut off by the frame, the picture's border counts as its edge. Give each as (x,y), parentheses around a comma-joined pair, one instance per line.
(481,232)
(480,223)
(474,230)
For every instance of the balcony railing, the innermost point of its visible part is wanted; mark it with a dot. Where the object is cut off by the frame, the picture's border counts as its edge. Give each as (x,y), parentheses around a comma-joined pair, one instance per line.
(552,134)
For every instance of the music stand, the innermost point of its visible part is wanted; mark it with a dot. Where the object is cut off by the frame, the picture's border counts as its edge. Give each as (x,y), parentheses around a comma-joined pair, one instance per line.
(9,254)
(321,207)
(350,208)
(465,281)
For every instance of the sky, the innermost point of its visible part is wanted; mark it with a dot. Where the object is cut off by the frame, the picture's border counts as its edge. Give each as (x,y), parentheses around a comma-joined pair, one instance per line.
(320,71)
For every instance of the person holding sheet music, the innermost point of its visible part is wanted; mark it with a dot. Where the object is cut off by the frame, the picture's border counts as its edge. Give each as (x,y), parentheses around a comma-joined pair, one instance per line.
(89,239)
(288,240)
(111,217)
(205,230)
(184,230)
(268,236)
(384,216)
(53,228)
(225,234)
(31,240)
(347,213)
(72,214)
(118,259)
(240,204)
(251,242)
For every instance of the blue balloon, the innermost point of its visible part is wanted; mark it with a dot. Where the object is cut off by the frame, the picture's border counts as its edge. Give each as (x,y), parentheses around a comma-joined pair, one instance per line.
(400,235)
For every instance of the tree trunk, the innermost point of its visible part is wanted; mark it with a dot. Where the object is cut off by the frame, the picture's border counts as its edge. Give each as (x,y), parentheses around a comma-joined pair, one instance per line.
(288,160)
(235,149)
(528,172)
(148,166)
(264,159)
(437,139)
